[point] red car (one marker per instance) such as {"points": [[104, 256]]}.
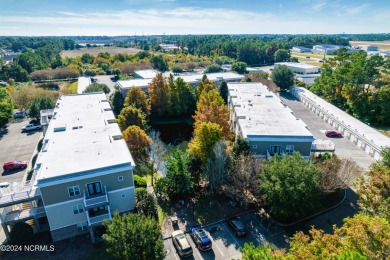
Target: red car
{"points": [[14, 165], [333, 133]]}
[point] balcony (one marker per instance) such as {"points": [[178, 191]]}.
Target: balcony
{"points": [[95, 200], [99, 219], [24, 214]]}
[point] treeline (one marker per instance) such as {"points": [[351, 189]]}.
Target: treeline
{"points": [[370, 37], [25, 43], [358, 84]]}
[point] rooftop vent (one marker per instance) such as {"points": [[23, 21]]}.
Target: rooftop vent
{"points": [[117, 137], [59, 128]]}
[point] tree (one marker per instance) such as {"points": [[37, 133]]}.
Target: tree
{"points": [[21, 233], [39, 104], [241, 147], [241, 176], [157, 154], [146, 204], [282, 55], [217, 165], [177, 183], [160, 96], [6, 106], [251, 252], [386, 156], [213, 68], [131, 116], [182, 98], [205, 85], [239, 67], [133, 236], [338, 174], [283, 77], [117, 101], [30, 61], [224, 91], [206, 135], [160, 63], [137, 141], [374, 191], [97, 88], [211, 108], [136, 97], [290, 186]]}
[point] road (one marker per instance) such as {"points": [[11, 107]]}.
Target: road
{"points": [[16, 146], [317, 126], [106, 79]]}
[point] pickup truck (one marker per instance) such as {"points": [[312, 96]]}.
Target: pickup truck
{"points": [[31, 127]]}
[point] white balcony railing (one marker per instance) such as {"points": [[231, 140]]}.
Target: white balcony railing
{"points": [[99, 219], [90, 201]]}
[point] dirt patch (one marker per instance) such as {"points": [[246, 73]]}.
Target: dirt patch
{"points": [[96, 50]]}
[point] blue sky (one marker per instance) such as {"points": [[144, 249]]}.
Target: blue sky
{"points": [[129, 17]]}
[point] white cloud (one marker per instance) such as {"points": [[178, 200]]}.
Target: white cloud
{"points": [[317, 6], [176, 21], [357, 9]]}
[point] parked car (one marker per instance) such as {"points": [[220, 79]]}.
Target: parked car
{"points": [[181, 243], [4, 184], [31, 127], [19, 114], [238, 227], [201, 239], [333, 133], [307, 57], [13, 165]]}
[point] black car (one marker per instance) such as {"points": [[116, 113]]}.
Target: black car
{"points": [[200, 238], [238, 227]]}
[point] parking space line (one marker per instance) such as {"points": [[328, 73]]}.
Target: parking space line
{"points": [[174, 249], [212, 239], [228, 231], [189, 238]]}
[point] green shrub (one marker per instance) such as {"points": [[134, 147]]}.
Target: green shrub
{"points": [[139, 181], [139, 190], [29, 174], [39, 146], [21, 233], [34, 159]]}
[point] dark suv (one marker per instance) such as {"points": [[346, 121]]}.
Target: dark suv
{"points": [[200, 238], [238, 227]]}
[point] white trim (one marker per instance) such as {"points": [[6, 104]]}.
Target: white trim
{"points": [[64, 202], [97, 173], [280, 139], [123, 189]]}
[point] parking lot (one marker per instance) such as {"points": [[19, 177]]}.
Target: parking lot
{"points": [[16, 146], [225, 245], [344, 147]]}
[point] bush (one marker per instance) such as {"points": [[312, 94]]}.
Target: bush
{"points": [[33, 161], [39, 146], [213, 68], [177, 69], [139, 181], [21, 233]]}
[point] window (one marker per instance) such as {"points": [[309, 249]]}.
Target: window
{"points": [[120, 178], [94, 188], [82, 225], [275, 149], [74, 191], [123, 196], [254, 146], [289, 149], [78, 209]]}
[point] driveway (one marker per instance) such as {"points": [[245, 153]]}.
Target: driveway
{"points": [[16, 146], [317, 126], [106, 79]]}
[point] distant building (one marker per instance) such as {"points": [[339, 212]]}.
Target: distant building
{"points": [[368, 48], [169, 47], [270, 127], [192, 79], [300, 49], [83, 83], [308, 79], [326, 48], [297, 67], [145, 74]]}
